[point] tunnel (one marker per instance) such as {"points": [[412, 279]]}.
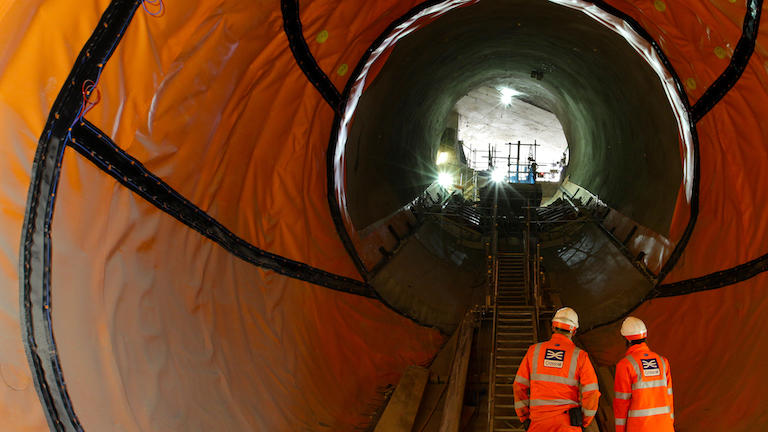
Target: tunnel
{"points": [[220, 215]]}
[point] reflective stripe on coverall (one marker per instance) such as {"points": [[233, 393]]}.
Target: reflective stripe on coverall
{"points": [[643, 399], [554, 377]]}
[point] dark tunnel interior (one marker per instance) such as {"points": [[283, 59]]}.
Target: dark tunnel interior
{"points": [[619, 123], [620, 128]]}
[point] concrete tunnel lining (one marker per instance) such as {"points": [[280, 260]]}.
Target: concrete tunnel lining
{"points": [[620, 127]]}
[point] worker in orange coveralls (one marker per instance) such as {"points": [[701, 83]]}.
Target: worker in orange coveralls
{"points": [[643, 401], [556, 387]]}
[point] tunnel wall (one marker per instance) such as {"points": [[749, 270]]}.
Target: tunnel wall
{"points": [[701, 50], [225, 79], [610, 101], [713, 340], [28, 87], [711, 305], [221, 332], [247, 348]]}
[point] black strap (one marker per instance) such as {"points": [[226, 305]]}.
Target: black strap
{"points": [[92, 143], [739, 61], [318, 78], [716, 280], [39, 341], [680, 246], [333, 202], [303, 56]]}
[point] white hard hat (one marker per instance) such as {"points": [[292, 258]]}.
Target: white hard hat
{"points": [[634, 328], [566, 319]]}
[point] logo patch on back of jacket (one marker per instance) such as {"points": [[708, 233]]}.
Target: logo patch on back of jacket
{"points": [[650, 368], [554, 358]]}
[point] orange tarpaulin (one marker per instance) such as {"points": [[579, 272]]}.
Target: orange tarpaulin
{"points": [[39, 41], [134, 317], [197, 331]]}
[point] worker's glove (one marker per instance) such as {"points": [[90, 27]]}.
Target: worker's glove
{"points": [[527, 424]]}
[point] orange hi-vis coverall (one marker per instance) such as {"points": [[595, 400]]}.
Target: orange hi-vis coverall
{"points": [[554, 377], [643, 401]]}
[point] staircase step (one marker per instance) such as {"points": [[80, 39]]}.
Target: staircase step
{"points": [[514, 337], [521, 345], [514, 334]]}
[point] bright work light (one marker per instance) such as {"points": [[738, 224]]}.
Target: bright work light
{"points": [[445, 179], [507, 94], [498, 175]]}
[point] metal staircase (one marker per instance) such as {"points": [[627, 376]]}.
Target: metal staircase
{"points": [[513, 332]]}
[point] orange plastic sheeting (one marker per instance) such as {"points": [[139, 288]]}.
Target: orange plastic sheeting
{"points": [[714, 343], [210, 98], [731, 227], [339, 33], [713, 340], [160, 329], [39, 41], [698, 36], [760, 55]]}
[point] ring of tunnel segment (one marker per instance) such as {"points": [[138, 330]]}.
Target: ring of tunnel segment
{"points": [[621, 128]]}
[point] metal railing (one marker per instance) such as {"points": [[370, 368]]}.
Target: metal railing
{"points": [[494, 257], [536, 288], [492, 374]]}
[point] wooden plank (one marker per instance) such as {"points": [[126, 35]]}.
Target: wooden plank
{"points": [[404, 403], [454, 398], [431, 409]]}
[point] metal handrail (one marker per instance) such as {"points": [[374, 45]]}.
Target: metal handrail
{"points": [[492, 373], [536, 292], [527, 251], [494, 255]]}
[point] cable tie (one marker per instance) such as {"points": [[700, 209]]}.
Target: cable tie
{"points": [[158, 4], [89, 86]]}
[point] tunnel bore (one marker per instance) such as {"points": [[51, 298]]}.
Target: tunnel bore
{"points": [[615, 113], [618, 120], [148, 311]]}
